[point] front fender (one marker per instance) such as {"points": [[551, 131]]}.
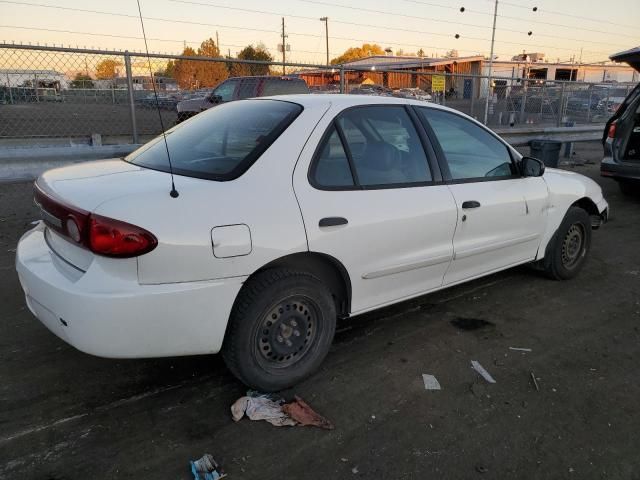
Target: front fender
{"points": [[565, 189]]}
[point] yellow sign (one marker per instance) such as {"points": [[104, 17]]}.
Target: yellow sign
{"points": [[437, 83]]}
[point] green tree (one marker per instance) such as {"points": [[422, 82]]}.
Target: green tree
{"points": [[82, 81], [107, 69], [421, 53], [354, 53], [259, 53]]}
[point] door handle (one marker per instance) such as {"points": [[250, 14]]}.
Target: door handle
{"points": [[332, 221], [470, 204]]}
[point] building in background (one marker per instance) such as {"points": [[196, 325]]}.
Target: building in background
{"points": [[42, 79]]}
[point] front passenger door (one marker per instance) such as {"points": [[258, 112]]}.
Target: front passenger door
{"points": [[500, 213]]}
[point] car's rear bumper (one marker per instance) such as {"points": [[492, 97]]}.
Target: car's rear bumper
{"points": [[619, 170], [106, 312]]}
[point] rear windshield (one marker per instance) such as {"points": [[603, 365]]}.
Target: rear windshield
{"points": [[220, 143]]}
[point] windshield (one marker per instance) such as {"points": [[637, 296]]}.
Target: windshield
{"points": [[220, 143]]}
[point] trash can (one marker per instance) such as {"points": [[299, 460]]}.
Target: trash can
{"points": [[546, 150]]}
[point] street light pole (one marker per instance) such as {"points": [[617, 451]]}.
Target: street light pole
{"points": [[493, 38], [326, 31]]}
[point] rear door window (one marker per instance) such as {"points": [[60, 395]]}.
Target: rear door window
{"points": [[331, 169], [248, 88], [220, 143], [283, 86], [384, 146], [371, 147]]}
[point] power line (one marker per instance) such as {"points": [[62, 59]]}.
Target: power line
{"points": [[579, 17], [40, 5], [415, 17], [528, 20], [265, 12], [127, 37]]}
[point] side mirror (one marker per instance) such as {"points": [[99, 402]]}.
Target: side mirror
{"points": [[214, 98], [531, 167]]}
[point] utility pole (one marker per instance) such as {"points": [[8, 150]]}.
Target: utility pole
{"points": [[217, 41], [284, 46], [326, 32], [493, 38]]}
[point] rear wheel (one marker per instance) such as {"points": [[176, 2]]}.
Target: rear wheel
{"points": [[280, 330], [570, 245]]}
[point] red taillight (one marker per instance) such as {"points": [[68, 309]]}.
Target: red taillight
{"points": [[102, 235], [612, 130], [118, 239]]}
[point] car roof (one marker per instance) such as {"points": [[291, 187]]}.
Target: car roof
{"points": [[342, 100]]}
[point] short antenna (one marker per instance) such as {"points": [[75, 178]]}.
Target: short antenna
{"points": [[174, 193]]}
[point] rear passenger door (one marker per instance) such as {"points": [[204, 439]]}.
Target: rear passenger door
{"points": [[371, 198], [500, 213]]}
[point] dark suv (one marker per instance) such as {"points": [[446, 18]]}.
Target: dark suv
{"points": [[621, 138], [237, 88]]}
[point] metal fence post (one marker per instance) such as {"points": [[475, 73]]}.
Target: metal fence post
{"points": [[473, 95], [561, 106], [342, 80], [132, 101], [523, 100]]}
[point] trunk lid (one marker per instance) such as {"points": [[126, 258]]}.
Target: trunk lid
{"points": [[81, 189], [89, 184]]}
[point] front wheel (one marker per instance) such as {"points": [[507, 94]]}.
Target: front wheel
{"points": [[280, 330], [570, 245]]}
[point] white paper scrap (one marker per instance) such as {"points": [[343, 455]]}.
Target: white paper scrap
{"points": [[430, 382], [519, 349], [480, 369]]}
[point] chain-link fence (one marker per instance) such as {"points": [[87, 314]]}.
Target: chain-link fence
{"points": [[61, 95]]}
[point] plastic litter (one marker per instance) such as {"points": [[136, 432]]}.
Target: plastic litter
{"points": [[480, 369], [302, 413], [430, 382], [278, 413], [520, 349], [206, 468]]}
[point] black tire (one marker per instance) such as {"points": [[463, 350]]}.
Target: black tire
{"points": [[568, 249], [280, 329]]}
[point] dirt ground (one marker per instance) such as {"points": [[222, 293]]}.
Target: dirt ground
{"points": [[68, 415]]}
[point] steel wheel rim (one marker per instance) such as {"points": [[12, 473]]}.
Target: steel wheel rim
{"points": [[287, 332], [573, 245]]}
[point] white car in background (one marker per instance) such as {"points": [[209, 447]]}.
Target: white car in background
{"points": [[292, 212]]}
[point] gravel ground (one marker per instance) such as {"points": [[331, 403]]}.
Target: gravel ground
{"points": [[68, 415]]}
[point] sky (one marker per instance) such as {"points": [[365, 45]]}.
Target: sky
{"points": [[588, 30]]}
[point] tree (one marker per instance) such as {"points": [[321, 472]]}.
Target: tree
{"points": [[184, 71], [169, 70], [421, 53], [250, 53], [82, 81], [451, 54], [210, 74], [107, 69], [354, 53]]}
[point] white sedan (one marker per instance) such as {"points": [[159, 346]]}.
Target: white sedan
{"points": [[292, 212]]}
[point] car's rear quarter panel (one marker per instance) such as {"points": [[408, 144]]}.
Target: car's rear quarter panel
{"points": [[262, 198]]}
